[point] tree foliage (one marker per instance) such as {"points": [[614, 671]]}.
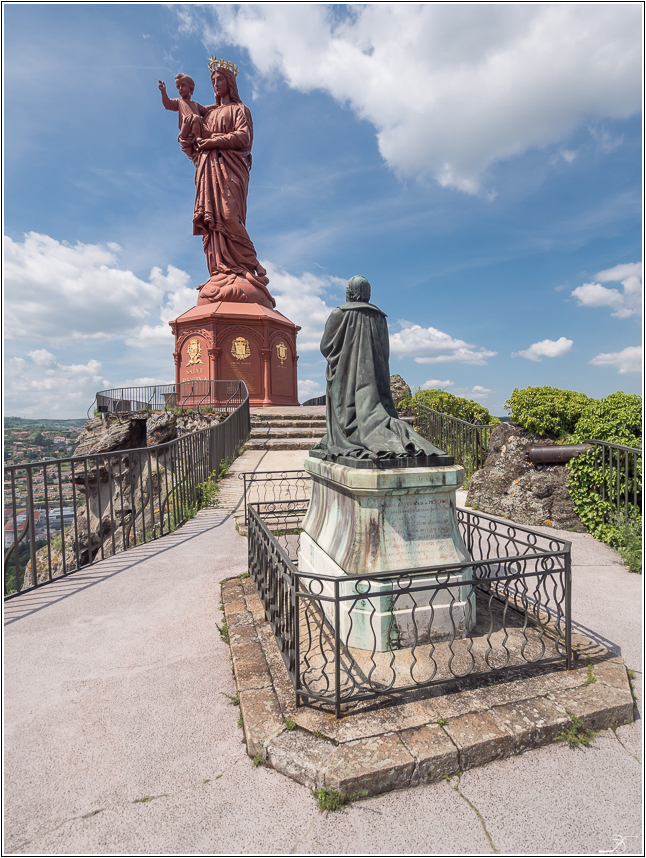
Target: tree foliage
{"points": [[447, 403], [547, 410]]}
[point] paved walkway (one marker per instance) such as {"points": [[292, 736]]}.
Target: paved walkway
{"points": [[119, 736]]}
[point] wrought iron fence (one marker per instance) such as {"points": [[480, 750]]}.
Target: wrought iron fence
{"points": [[350, 639], [198, 394], [66, 514], [467, 442], [267, 487], [618, 478]]}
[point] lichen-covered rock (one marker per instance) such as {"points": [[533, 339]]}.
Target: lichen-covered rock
{"points": [[398, 388], [187, 423], [510, 486], [104, 436], [161, 428]]}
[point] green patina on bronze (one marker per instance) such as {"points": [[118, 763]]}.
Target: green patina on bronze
{"points": [[362, 423]]}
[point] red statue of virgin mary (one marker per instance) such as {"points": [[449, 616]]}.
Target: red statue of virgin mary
{"points": [[222, 157], [238, 331]]}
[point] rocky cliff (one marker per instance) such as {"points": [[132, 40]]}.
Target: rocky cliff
{"points": [[512, 487], [119, 497]]}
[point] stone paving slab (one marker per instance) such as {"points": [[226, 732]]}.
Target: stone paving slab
{"points": [[118, 686], [422, 738]]}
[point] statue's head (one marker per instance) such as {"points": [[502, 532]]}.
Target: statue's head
{"points": [[227, 76], [184, 80], [358, 289]]}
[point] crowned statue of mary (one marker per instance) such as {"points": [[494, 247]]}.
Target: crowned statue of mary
{"points": [[222, 158]]}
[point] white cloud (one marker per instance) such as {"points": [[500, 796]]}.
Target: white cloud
{"points": [[428, 345], [42, 387], [626, 361], [476, 392], [303, 300], [546, 348], [178, 298], [625, 304], [449, 88], [437, 384], [308, 389], [479, 392], [56, 292]]}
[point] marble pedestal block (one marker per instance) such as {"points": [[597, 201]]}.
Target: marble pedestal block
{"points": [[368, 521]]}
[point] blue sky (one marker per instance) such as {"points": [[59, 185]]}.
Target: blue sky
{"points": [[480, 164]]}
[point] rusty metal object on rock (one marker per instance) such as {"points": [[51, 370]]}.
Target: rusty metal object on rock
{"points": [[556, 453]]}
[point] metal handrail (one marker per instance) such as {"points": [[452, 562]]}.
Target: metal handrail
{"points": [[223, 394], [94, 506], [467, 442], [616, 475]]}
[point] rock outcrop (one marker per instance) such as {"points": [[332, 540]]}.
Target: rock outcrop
{"points": [[119, 497], [512, 487], [398, 388]]}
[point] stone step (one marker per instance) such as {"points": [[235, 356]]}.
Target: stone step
{"points": [[272, 443], [287, 424], [272, 432], [276, 413]]}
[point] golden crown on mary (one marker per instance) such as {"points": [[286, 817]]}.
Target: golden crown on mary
{"points": [[215, 63]]}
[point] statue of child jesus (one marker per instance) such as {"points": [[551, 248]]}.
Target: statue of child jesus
{"points": [[190, 112]]}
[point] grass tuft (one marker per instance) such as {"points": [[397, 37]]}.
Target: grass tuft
{"points": [[331, 799], [234, 698], [576, 733], [591, 677], [224, 632], [290, 724]]}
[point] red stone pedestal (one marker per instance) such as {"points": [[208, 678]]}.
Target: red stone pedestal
{"points": [[244, 341]]}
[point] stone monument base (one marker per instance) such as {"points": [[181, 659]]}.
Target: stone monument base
{"points": [[362, 521], [249, 342]]}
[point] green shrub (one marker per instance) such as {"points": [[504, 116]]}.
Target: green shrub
{"points": [[616, 419], [447, 403], [629, 540], [547, 410]]}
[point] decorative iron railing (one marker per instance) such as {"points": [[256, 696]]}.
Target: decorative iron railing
{"points": [[199, 394], [351, 639], [66, 514], [617, 479], [467, 442], [268, 487]]}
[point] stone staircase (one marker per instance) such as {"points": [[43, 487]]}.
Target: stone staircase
{"points": [[297, 429]]}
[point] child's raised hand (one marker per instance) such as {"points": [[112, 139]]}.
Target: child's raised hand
{"points": [[162, 86]]}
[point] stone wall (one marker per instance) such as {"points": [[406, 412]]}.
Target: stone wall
{"points": [[512, 487]]}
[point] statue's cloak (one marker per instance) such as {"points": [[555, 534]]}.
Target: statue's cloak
{"points": [[360, 413]]}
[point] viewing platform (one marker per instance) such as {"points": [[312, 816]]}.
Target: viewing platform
{"points": [[121, 736]]}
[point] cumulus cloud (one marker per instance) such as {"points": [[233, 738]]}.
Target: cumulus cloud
{"points": [[624, 303], [479, 392], [437, 384], [42, 386], [476, 392], [55, 291], [304, 301], [626, 361], [428, 345], [309, 389], [177, 298], [546, 348], [449, 88]]}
